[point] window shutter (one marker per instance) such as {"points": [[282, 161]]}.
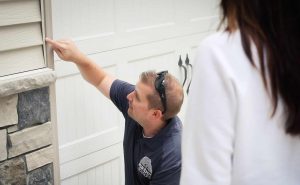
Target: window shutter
{"points": [[21, 36]]}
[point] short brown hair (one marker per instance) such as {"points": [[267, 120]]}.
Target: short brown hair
{"points": [[173, 89]]}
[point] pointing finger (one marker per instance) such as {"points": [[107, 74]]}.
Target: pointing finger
{"points": [[54, 44]]}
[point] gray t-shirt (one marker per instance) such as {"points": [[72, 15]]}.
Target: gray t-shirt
{"points": [[148, 161]]}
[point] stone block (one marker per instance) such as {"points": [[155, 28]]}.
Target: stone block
{"points": [[12, 129], [13, 172], [29, 139], [8, 110], [33, 107], [3, 143], [39, 158], [21, 83], [41, 176]]}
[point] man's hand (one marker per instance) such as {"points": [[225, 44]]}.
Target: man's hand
{"points": [[67, 50], [91, 72]]}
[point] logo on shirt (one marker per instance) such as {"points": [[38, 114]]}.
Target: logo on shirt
{"points": [[145, 167]]}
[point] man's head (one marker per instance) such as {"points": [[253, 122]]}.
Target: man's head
{"points": [[146, 103]]}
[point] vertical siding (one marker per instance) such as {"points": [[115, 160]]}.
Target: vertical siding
{"points": [[104, 174]]}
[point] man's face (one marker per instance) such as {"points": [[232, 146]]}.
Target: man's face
{"points": [[138, 103]]}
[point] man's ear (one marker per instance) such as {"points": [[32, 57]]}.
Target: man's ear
{"points": [[157, 114]]}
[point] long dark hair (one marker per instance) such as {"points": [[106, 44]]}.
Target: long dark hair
{"points": [[274, 27]]}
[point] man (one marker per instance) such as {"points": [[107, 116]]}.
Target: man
{"points": [[152, 138]]}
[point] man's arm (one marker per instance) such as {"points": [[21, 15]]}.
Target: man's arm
{"points": [[91, 72]]}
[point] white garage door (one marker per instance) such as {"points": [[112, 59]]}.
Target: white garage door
{"points": [[125, 37]]}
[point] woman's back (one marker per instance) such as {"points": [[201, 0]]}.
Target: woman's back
{"points": [[242, 125], [234, 139]]}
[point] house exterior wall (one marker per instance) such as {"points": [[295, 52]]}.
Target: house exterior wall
{"points": [[28, 134]]}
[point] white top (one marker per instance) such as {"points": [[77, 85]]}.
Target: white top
{"points": [[229, 137]]}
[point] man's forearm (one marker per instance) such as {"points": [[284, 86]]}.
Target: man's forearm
{"points": [[90, 71], [94, 74]]}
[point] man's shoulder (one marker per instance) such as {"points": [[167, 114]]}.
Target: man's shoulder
{"points": [[120, 89], [117, 85], [118, 94], [171, 142], [174, 125]]}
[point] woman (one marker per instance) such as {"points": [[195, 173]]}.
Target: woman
{"points": [[243, 119]]}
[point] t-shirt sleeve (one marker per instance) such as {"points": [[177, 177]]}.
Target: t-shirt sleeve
{"points": [[118, 94], [208, 131]]}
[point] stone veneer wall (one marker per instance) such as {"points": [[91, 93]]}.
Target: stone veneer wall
{"points": [[26, 148]]}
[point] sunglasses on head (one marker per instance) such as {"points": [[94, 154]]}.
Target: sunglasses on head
{"points": [[160, 88]]}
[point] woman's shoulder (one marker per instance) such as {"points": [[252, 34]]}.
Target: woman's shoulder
{"points": [[221, 39], [222, 51], [222, 46]]}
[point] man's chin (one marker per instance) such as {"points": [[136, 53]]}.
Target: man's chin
{"points": [[129, 112]]}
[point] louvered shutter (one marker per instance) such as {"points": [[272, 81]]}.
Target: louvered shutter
{"points": [[21, 36]]}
